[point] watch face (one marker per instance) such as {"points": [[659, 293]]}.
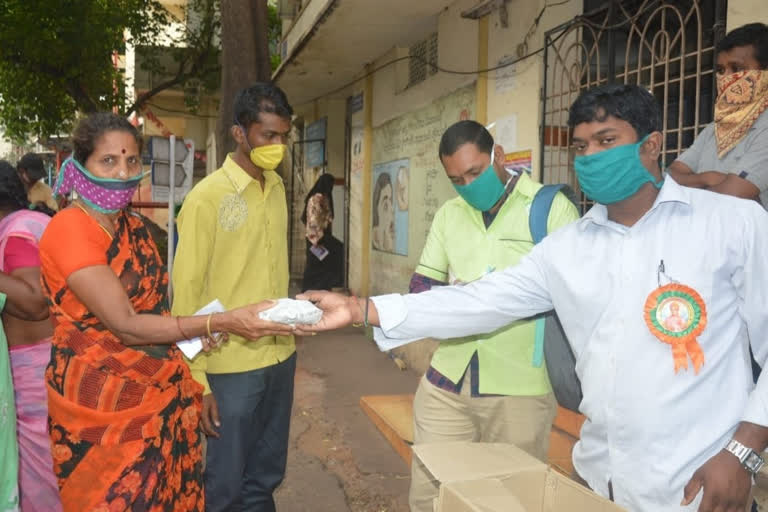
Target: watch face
{"points": [[754, 462]]}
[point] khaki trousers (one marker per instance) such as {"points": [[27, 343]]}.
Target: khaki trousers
{"points": [[441, 416]]}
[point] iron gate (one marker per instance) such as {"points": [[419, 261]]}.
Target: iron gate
{"points": [[666, 46]]}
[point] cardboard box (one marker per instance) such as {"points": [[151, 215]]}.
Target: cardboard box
{"points": [[496, 477]]}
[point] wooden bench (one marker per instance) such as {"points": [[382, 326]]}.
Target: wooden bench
{"points": [[393, 416]]}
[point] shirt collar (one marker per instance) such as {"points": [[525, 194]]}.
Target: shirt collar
{"points": [[671, 192], [241, 179], [525, 186]]}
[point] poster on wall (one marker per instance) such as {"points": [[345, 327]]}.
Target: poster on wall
{"points": [[519, 161], [315, 152], [356, 151], [390, 206]]}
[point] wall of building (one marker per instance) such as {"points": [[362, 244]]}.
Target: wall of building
{"points": [[413, 139], [514, 92], [457, 50], [741, 12]]}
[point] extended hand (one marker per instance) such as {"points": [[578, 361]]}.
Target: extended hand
{"points": [[338, 311], [726, 485], [245, 322]]}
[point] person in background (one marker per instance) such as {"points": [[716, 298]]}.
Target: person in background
{"points": [[324, 269], [123, 408], [32, 173], [730, 155], [673, 422], [28, 331], [233, 247], [492, 389]]}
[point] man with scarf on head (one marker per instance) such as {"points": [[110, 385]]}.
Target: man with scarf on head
{"points": [[730, 155], [673, 419], [232, 247]]}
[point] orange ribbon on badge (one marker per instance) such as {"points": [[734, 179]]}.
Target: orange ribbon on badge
{"points": [[676, 314]]}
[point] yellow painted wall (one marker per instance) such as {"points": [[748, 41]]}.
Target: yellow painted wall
{"points": [[515, 91], [457, 50], [741, 12]]}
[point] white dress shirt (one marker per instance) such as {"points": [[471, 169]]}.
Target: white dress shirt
{"points": [[647, 429]]}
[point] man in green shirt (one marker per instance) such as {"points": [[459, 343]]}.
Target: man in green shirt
{"points": [[491, 388]]}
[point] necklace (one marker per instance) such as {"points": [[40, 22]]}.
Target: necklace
{"points": [[95, 219]]}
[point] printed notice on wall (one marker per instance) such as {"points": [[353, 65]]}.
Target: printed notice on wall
{"points": [[506, 131]]}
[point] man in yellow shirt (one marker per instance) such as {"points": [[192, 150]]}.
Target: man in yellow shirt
{"points": [[492, 388], [32, 174], [233, 247]]}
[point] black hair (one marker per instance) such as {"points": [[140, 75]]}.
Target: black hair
{"points": [[462, 133], [258, 98], [754, 35], [382, 181], [13, 197], [630, 103], [89, 130], [32, 164]]}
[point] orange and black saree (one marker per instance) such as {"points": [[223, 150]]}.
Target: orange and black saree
{"points": [[123, 421]]}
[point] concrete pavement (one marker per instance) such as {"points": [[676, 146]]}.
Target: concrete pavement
{"points": [[337, 460]]}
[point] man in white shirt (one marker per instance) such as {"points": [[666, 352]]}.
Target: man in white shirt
{"points": [[662, 406]]}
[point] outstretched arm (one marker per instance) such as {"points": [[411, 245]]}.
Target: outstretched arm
{"points": [[446, 312]]}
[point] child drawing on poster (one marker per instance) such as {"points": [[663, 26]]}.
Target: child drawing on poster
{"points": [[390, 207], [383, 214]]}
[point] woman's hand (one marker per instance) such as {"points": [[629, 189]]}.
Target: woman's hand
{"points": [[245, 322], [218, 340]]}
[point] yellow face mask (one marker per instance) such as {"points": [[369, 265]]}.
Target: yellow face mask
{"points": [[268, 157]]}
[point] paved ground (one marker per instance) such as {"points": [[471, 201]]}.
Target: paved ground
{"points": [[337, 460]]}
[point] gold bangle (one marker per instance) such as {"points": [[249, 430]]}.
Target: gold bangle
{"points": [[361, 310], [208, 327]]}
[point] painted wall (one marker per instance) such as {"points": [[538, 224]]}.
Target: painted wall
{"points": [[415, 136], [741, 12], [356, 201], [457, 50], [514, 93]]}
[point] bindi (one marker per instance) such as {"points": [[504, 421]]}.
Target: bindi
{"points": [[123, 150]]}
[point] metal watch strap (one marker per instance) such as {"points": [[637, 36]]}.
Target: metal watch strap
{"points": [[750, 459]]}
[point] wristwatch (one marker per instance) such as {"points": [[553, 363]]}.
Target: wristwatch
{"points": [[749, 458]]}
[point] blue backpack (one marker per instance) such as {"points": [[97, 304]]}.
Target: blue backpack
{"points": [[551, 344]]}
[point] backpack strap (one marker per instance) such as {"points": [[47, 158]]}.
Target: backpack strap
{"points": [[538, 218], [539, 214]]}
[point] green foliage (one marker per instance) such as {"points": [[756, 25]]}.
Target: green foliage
{"points": [[58, 58]]}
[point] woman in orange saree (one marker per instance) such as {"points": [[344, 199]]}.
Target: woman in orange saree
{"points": [[123, 408]]}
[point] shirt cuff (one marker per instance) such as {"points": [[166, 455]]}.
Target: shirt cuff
{"points": [[757, 407], [201, 377], [432, 273], [392, 312]]}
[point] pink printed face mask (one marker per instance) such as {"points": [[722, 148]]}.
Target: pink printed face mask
{"points": [[106, 195]]}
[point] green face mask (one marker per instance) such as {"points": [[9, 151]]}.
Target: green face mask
{"points": [[484, 192], [613, 175]]}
